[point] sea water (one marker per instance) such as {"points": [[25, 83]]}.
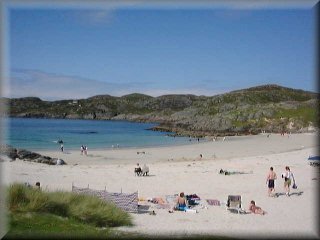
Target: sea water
{"points": [[44, 134]]}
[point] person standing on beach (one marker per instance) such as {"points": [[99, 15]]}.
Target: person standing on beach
{"points": [[61, 147], [271, 177], [288, 175], [82, 149]]}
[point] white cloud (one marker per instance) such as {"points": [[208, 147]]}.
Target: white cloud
{"points": [[94, 17], [198, 92], [49, 86]]}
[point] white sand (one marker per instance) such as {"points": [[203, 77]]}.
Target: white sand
{"points": [[179, 168]]}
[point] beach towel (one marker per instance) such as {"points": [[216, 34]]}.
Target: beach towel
{"points": [[163, 206], [172, 199], [213, 202]]}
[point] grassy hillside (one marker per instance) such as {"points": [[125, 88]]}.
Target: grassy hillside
{"points": [[270, 107]]}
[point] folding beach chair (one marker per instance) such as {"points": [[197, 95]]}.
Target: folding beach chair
{"points": [[234, 204]]}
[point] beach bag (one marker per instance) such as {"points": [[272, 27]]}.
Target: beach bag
{"points": [[193, 199], [294, 186]]}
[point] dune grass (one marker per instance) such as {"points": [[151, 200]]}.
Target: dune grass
{"points": [[34, 225], [36, 211]]}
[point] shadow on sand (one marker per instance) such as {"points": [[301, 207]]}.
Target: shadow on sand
{"points": [[291, 194]]}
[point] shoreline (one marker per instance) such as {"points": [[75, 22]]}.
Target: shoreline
{"points": [[211, 150], [176, 169]]}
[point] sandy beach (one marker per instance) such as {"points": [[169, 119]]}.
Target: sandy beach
{"points": [[179, 168]]}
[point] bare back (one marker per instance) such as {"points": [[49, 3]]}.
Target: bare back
{"points": [[272, 175]]}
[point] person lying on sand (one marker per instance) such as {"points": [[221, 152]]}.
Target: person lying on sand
{"points": [[225, 172], [255, 209], [157, 200]]}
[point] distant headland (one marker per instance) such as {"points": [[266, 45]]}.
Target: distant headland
{"points": [[269, 108]]}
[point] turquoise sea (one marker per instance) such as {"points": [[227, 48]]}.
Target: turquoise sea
{"points": [[43, 134]]}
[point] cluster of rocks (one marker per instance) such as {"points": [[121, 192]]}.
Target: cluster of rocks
{"points": [[22, 154]]}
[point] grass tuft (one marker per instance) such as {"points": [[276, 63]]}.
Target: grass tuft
{"points": [[86, 209]]}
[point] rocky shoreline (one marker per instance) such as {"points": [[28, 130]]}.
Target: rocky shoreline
{"points": [[176, 131], [25, 155]]}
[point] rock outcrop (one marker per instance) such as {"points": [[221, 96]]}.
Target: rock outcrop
{"points": [[25, 155]]}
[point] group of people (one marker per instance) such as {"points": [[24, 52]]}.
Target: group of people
{"points": [[182, 205], [288, 179], [84, 150], [181, 202], [271, 177], [138, 171]]}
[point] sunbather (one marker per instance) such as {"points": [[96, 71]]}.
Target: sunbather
{"points": [[181, 202], [255, 209], [225, 172]]}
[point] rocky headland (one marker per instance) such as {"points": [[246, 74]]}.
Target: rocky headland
{"points": [[269, 108]]}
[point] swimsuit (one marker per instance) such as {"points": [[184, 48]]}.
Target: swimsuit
{"points": [[271, 183], [182, 207]]}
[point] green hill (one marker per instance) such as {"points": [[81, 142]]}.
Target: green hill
{"points": [[271, 108]]}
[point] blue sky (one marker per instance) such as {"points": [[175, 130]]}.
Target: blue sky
{"points": [[77, 53]]}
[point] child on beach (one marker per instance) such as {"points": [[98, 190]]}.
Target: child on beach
{"points": [[255, 209]]}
